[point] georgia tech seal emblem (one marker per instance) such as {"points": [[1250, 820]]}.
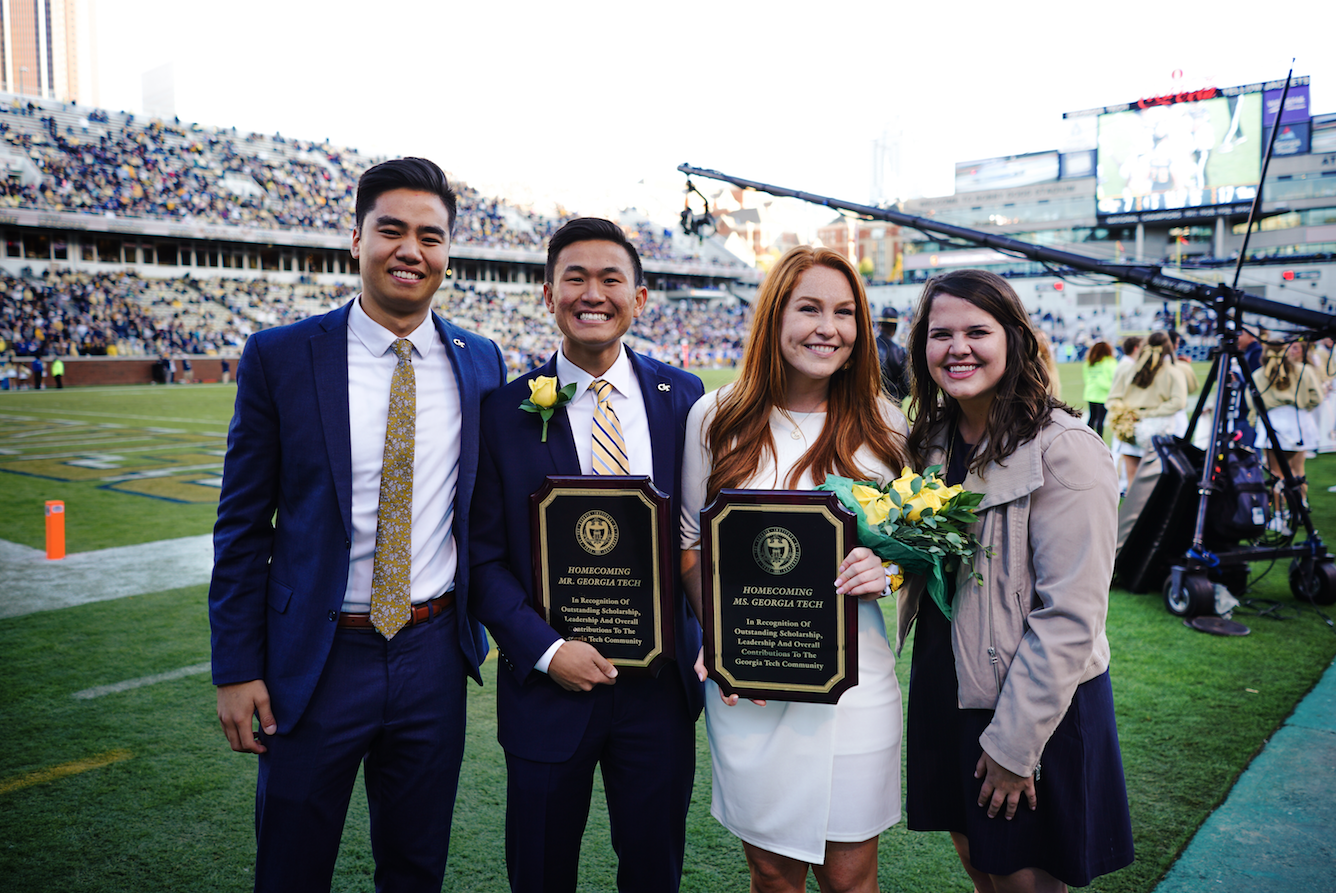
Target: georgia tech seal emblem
{"points": [[596, 532], [776, 550]]}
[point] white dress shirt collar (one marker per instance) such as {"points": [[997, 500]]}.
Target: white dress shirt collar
{"points": [[378, 339], [620, 374]]}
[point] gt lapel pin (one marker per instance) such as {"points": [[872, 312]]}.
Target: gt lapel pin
{"points": [[459, 342], [665, 386]]}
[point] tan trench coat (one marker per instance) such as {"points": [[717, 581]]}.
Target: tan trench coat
{"points": [[1034, 630]]}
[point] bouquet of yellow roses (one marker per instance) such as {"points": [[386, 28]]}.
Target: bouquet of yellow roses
{"points": [[916, 521]]}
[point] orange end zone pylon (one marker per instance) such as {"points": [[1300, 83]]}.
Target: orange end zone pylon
{"points": [[55, 529]]}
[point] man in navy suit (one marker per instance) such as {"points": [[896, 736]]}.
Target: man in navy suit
{"points": [[296, 644], [562, 708]]}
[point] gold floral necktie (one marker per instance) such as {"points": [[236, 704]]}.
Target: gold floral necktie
{"points": [[609, 453], [391, 570]]}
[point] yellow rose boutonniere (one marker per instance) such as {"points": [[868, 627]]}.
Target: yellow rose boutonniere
{"points": [[545, 398], [543, 391]]}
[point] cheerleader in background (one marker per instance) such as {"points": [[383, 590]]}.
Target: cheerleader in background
{"points": [[1321, 356], [1155, 391], [1291, 388]]}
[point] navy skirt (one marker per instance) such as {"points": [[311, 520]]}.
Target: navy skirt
{"points": [[1081, 828]]}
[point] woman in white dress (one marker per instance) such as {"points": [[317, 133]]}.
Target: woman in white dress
{"points": [[804, 785]]}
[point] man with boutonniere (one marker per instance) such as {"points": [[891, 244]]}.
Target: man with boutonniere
{"points": [[595, 407]]}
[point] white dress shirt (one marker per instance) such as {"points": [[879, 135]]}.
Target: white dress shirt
{"points": [[371, 365], [628, 403]]}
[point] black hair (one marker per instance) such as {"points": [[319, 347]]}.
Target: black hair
{"points": [[404, 173], [590, 229]]}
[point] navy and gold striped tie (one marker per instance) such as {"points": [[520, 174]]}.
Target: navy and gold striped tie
{"points": [[609, 453]]}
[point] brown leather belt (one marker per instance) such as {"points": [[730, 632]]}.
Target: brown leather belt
{"points": [[420, 613]]}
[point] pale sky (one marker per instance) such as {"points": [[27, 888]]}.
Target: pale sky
{"points": [[594, 104]]}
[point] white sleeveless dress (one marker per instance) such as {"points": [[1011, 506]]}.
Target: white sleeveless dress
{"points": [[790, 776]]}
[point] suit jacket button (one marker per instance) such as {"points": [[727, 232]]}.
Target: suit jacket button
{"points": [[333, 615], [347, 544]]}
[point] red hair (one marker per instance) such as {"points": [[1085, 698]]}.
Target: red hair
{"points": [[738, 436]]}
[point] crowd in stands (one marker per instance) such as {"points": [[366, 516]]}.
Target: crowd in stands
{"points": [[77, 313], [673, 332], [106, 314], [153, 169], [91, 161], [68, 313]]}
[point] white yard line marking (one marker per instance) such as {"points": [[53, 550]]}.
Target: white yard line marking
{"points": [[29, 582], [160, 473], [117, 415], [156, 448], [100, 440], [100, 690]]}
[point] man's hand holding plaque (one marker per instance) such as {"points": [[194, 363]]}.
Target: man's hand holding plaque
{"points": [[601, 574]]}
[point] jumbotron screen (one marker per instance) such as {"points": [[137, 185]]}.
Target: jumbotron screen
{"points": [[1179, 156]]}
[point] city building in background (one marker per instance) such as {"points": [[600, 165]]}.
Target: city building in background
{"points": [[38, 41], [874, 246]]}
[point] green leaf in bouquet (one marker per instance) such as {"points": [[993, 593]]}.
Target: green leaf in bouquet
{"points": [[968, 499], [932, 470]]}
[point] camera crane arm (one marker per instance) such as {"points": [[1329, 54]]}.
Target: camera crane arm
{"points": [[1219, 297], [1190, 588]]}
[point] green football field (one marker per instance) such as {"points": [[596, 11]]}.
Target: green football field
{"points": [[134, 788]]}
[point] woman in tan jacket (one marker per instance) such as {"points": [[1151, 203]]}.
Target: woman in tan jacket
{"points": [[1012, 743], [1291, 388], [1154, 391]]}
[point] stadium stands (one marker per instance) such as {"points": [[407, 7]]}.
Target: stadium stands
{"points": [[93, 161], [58, 157], [121, 314]]}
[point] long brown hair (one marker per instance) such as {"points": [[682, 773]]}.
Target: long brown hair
{"points": [[1156, 352], [1022, 404], [1098, 351], [738, 437]]}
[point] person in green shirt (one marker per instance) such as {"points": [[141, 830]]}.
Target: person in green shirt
{"points": [[1098, 375], [58, 372]]}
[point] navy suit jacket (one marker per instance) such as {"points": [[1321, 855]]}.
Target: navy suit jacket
{"points": [[536, 718], [277, 587]]}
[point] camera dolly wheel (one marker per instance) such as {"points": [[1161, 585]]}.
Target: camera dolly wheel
{"points": [[1188, 594], [1317, 588]]}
